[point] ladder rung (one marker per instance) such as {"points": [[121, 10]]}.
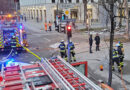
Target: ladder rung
{"points": [[82, 84], [58, 62], [73, 79], [56, 66], [12, 69], [14, 87], [77, 85], [65, 69], [12, 73], [60, 70], [64, 75], [33, 72], [61, 65], [12, 78]]}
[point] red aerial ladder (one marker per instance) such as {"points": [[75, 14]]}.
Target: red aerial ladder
{"points": [[45, 75]]}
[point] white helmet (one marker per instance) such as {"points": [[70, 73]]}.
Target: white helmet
{"points": [[70, 41], [13, 36], [62, 40]]}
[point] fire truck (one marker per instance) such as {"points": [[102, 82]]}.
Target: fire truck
{"points": [[9, 27]]}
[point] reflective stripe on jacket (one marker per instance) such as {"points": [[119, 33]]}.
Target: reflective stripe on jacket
{"points": [[115, 54], [62, 47]]}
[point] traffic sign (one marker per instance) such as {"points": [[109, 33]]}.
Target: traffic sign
{"points": [[66, 12]]}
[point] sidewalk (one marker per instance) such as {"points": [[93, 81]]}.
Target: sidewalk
{"points": [[102, 58]]}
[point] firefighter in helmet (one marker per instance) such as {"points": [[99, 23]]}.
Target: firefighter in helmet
{"points": [[115, 58], [13, 46], [62, 48], [72, 52]]}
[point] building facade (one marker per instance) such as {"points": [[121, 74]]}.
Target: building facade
{"points": [[45, 10], [8, 6]]}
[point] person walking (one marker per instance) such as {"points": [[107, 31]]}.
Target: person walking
{"points": [[72, 52], [90, 43], [97, 42], [115, 58], [49, 24], [45, 26], [62, 48]]}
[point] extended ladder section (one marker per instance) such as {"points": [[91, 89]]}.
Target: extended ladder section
{"points": [[13, 78], [31, 77], [70, 76], [45, 75]]}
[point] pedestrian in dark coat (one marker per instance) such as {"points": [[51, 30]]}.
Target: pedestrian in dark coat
{"points": [[97, 42], [90, 43]]}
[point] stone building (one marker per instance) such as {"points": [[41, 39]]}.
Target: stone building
{"points": [[46, 9]]}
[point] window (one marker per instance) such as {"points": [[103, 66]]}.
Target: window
{"points": [[53, 1], [61, 1], [77, 1], [69, 1]]}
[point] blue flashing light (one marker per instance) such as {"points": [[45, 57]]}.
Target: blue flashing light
{"points": [[20, 26], [11, 60]]}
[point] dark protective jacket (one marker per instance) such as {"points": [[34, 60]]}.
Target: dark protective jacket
{"points": [[97, 39], [62, 47]]}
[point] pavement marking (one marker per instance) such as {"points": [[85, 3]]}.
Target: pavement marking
{"points": [[47, 39], [55, 45]]}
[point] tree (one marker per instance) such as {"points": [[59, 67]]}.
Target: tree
{"points": [[109, 6]]}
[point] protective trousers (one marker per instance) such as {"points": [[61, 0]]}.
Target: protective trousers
{"points": [[116, 59], [63, 55], [121, 57], [73, 55]]}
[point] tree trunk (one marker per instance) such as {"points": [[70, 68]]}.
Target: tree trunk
{"points": [[85, 10], [111, 42], [127, 20]]}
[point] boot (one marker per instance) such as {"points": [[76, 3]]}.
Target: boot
{"points": [[74, 58], [113, 69], [119, 69]]}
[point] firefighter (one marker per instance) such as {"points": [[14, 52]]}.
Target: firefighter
{"points": [[62, 48], [49, 24], [121, 53], [115, 58], [72, 52], [13, 46]]}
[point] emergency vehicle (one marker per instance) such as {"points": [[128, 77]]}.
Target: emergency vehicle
{"points": [[9, 27]]}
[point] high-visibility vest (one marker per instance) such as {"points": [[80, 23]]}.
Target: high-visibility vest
{"points": [[49, 24], [45, 26]]}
